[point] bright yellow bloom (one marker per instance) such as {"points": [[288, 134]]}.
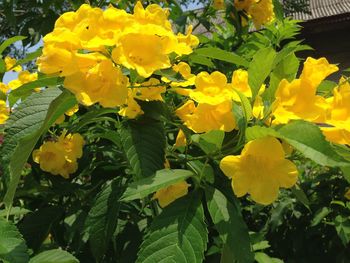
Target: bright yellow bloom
{"points": [[4, 88], [185, 71], [187, 42], [258, 107], [23, 78], [4, 112], [104, 83], [260, 170], [10, 63], [316, 70], [72, 144], [219, 4], [206, 117], [180, 139], [339, 114], [261, 12], [131, 109], [51, 157], [149, 91], [143, 50], [211, 88], [347, 194], [169, 194], [298, 99], [153, 14], [60, 158]]}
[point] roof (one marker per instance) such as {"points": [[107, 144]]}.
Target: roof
{"points": [[324, 8]]}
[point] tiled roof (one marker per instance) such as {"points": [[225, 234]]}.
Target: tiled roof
{"points": [[324, 8]]}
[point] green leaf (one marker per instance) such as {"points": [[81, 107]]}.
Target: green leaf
{"points": [[260, 68], [301, 196], [12, 246], [261, 257], [151, 184], [54, 256], [309, 140], [286, 69], [320, 215], [36, 226], [247, 108], [209, 142], [102, 218], [178, 234], [342, 225], [278, 10], [229, 222], [223, 55], [27, 88], [256, 132], [23, 129], [201, 60], [9, 42], [346, 173], [144, 145]]}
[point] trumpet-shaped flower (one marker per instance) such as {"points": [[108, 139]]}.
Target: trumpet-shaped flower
{"points": [[60, 158], [211, 89], [149, 91], [23, 78], [298, 99], [10, 64], [260, 170], [262, 12], [169, 194], [205, 117], [339, 114], [131, 108], [103, 83]]}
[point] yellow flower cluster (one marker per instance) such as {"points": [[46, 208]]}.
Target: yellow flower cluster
{"points": [[210, 104], [69, 113], [60, 157], [299, 100], [90, 47], [261, 11]]}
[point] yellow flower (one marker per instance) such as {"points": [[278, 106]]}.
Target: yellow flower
{"points": [[60, 158], [219, 4], [50, 156], [261, 12], [185, 71], [347, 194], [4, 88], [103, 83], [180, 139], [316, 70], [149, 90], [153, 14], [23, 78], [186, 43], [211, 88], [10, 63], [206, 117], [260, 170], [131, 109], [4, 112], [339, 114], [258, 108], [298, 99], [143, 50], [169, 194], [72, 144]]}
